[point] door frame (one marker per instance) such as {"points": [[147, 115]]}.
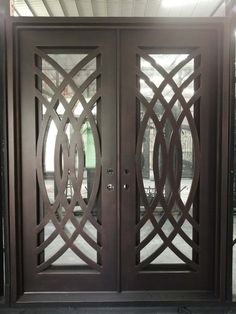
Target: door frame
{"points": [[3, 154], [230, 96], [221, 26]]}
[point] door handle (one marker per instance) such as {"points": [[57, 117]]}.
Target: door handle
{"points": [[110, 187], [125, 186]]}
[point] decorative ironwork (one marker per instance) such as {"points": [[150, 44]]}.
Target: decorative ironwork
{"points": [[69, 224], [164, 210]]}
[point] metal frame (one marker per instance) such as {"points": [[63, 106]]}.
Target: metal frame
{"points": [[3, 145], [231, 157], [4, 252], [227, 163], [173, 297]]}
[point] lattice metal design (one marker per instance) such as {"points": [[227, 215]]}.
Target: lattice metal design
{"points": [[157, 98], [69, 224]]}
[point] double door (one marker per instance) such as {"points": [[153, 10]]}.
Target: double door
{"points": [[117, 148]]}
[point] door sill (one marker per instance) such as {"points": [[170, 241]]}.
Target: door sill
{"points": [[131, 297]]}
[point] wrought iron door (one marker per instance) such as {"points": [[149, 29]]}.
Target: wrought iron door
{"points": [[68, 159], [169, 123], [72, 231]]}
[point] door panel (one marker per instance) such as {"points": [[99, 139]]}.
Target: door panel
{"points": [[68, 132], [169, 115]]}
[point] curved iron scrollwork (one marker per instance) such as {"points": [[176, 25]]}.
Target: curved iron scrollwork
{"points": [[76, 113], [167, 158]]}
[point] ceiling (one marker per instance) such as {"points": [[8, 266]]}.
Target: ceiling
{"points": [[128, 8]]}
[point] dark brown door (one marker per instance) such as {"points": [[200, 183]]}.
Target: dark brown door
{"points": [[168, 163], [68, 159]]}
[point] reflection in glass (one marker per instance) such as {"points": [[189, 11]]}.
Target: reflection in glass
{"points": [[48, 162], [160, 140], [147, 160], [65, 159], [90, 160]]}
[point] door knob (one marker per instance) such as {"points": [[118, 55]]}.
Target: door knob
{"points": [[110, 187], [125, 186]]}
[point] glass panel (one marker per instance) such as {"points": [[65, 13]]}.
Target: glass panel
{"points": [[69, 258], [53, 247], [167, 159], [90, 160], [167, 257], [169, 61], [70, 165], [146, 91], [188, 163], [167, 93], [48, 161], [188, 92], [157, 78], [146, 230], [67, 62], [147, 161], [149, 249], [49, 229], [89, 68], [90, 91]]}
